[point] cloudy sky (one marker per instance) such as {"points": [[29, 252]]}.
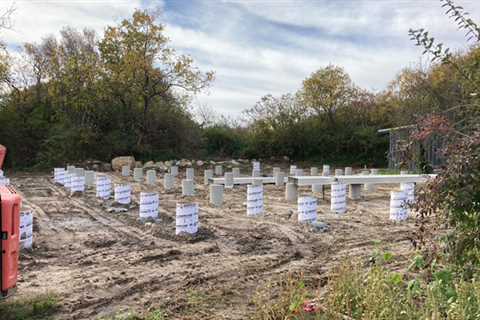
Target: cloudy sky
{"points": [[258, 47]]}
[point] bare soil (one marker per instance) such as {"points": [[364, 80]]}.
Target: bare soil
{"points": [[101, 263]]}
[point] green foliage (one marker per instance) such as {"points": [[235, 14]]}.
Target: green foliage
{"points": [[281, 300], [223, 141], [41, 307]]}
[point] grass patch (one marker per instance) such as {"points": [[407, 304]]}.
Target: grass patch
{"points": [[40, 307], [154, 315]]}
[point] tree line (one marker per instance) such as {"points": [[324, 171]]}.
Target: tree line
{"points": [[83, 96]]}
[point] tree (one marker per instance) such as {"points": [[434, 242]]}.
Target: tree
{"points": [[327, 90], [140, 67]]}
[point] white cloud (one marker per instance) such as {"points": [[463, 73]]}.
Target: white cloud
{"points": [[262, 47], [34, 20]]}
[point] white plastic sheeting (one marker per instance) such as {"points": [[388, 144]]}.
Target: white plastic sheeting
{"points": [[254, 200], [149, 203], [307, 210], [398, 209], [59, 175], [123, 193], [26, 229], [186, 218], [103, 187], [338, 198], [77, 184]]}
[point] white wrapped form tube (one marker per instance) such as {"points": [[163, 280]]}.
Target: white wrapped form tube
{"points": [[398, 209], [26, 229], [77, 184], [59, 175], [186, 218], [254, 200], [307, 210], [103, 187], [338, 198], [123, 194], [149, 203]]}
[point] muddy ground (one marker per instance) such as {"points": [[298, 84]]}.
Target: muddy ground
{"points": [[101, 263]]}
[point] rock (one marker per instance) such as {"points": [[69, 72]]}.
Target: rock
{"points": [[319, 227], [106, 167], [200, 163], [185, 163], [160, 166], [148, 164], [118, 162], [235, 163], [169, 163], [286, 158]]}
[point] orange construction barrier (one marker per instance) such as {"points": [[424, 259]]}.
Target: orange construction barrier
{"points": [[10, 203]]}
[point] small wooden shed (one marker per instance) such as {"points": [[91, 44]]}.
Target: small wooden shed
{"points": [[402, 153]]}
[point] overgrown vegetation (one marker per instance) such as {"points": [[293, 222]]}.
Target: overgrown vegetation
{"points": [[40, 307]]}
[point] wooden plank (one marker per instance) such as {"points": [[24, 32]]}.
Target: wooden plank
{"points": [[360, 179]]}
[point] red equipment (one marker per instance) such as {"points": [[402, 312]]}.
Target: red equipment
{"points": [[10, 203]]}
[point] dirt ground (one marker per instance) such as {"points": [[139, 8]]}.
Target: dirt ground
{"points": [[101, 263]]}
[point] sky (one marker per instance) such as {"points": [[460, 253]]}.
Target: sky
{"points": [[259, 47]]}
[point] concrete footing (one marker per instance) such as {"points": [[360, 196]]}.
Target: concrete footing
{"points": [[188, 187], [279, 179], [314, 171], [348, 171], [138, 174], [228, 180], [291, 192], [168, 182], [326, 170], [299, 172], [90, 178], [257, 182], [125, 171], [190, 174], [174, 171], [207, 174], [218, 170], [151, 177], [236, 172], [355, 191], [275, 170], [317, 188], [216, 195], [338, 172]]}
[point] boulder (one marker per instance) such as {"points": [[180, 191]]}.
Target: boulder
{"points": [[119, 162], [185, 163], [148, 165], [200, 163]]}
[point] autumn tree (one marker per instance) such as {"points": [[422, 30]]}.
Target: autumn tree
{"points": [[140, 67], [327, 90]]}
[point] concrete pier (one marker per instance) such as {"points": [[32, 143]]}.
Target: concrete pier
{"points": [[188, 187], [291, 192], [207, 174], [216, 195]]}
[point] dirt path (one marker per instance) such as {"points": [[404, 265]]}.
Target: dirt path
{"points": [[101, 263]]}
